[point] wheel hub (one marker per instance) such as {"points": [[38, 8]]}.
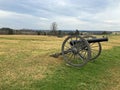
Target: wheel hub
{"points": [[74, 50]]}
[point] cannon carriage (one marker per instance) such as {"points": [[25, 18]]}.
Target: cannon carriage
{"points": [[78, 50]]}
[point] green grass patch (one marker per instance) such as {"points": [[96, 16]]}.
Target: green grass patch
{"points": [[93, 76]]}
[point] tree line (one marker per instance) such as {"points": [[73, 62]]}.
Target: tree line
{"points": [[9, 31]]}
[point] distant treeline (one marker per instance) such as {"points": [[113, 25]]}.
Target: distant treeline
{"points": [[60, 33]]}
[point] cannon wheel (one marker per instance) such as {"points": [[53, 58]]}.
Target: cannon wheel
{"points": [[76, 54], [95, 48]]}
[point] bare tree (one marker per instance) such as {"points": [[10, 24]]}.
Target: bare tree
{"points": [[54, 28]]}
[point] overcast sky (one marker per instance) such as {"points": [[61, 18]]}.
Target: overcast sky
{"points": [[68, 14]]}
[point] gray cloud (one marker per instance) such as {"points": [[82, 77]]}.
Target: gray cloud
{"points": [[70, 14]]}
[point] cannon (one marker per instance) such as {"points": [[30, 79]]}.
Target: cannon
{"points": [[78, 50]]}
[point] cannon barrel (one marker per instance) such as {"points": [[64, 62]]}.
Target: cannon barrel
{"points": [[94, 40], [97, 40]]}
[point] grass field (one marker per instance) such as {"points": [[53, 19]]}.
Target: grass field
{"points": [[25, 64]]}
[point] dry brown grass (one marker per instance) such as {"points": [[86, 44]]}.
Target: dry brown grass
{"points": [[26, 58], [113, 41]]}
